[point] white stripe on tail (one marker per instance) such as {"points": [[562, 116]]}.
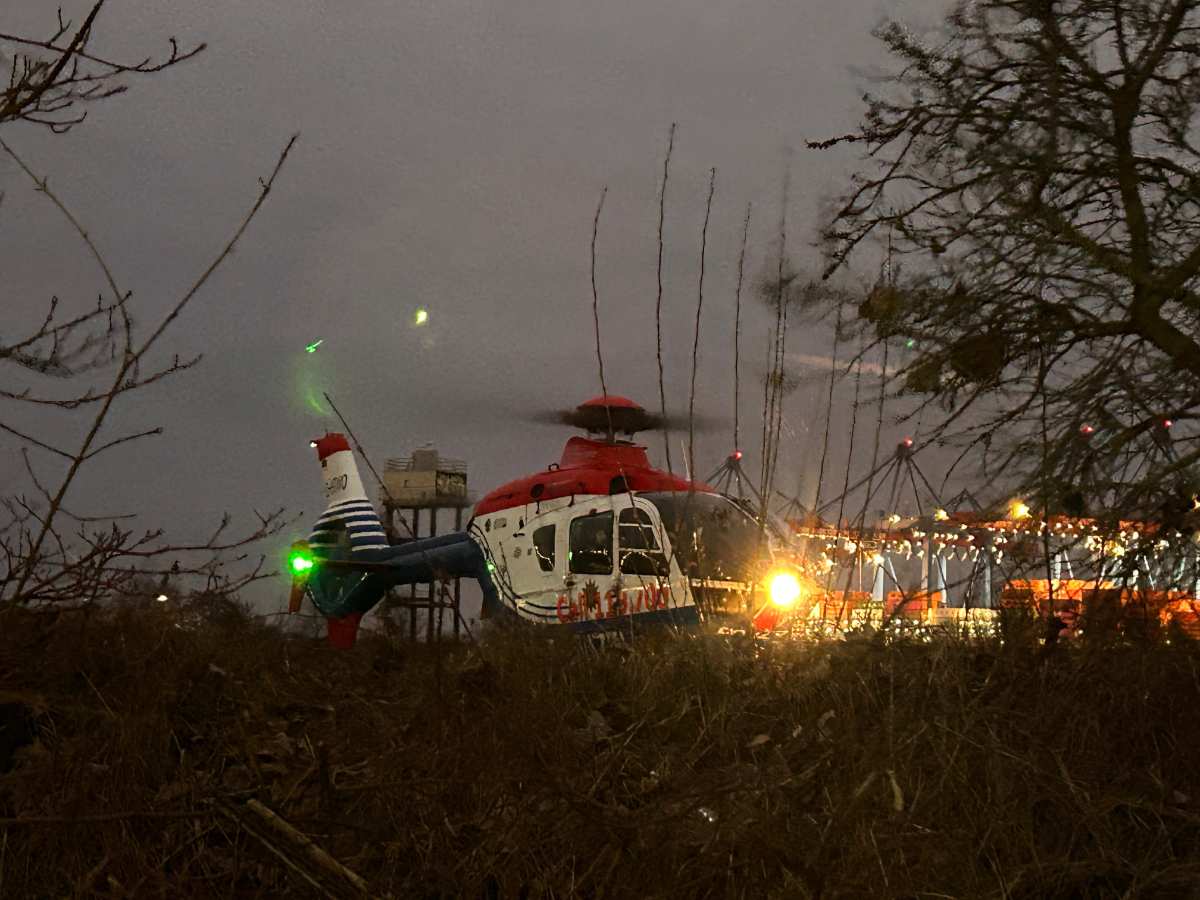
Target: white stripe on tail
{"points": [[349, 520]]}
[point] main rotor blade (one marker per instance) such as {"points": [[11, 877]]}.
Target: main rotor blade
{"points": [[623, 420]]}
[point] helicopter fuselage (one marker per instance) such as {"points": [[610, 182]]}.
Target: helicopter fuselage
{"points": [[592, 543]]}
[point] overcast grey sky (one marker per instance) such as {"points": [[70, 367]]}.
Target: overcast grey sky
{"points": [[451, 155]]}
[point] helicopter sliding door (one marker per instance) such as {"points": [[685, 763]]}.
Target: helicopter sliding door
{"points": [[536, 568], [639, 550], [592, 564], [642, 562], [589, 564], [617, 564]]}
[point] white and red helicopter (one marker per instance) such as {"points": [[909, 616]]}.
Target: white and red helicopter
{"points": [[599, 541]]}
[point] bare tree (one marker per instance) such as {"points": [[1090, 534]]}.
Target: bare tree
{"points": [[81, 364], [51, 79], [1035, 169], [791, 295]]}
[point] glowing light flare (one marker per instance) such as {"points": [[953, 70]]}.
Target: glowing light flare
{"points": [[1087, 430], [420, 317], [312, 348], [1018, 509], [162, 598], [300, 560], [310, 376], [784, 589], [941, 515], [908, 442], [1167, 423], [314, 402]]}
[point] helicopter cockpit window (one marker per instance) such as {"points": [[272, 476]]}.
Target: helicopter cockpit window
{"points": [[640, 552], [591, 545], [543, 547], [710, 536]]}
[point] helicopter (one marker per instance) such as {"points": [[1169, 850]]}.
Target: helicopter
{"points": [[600, 541]]}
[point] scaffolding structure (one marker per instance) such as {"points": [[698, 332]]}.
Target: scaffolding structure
{"points": [[415, 490]]}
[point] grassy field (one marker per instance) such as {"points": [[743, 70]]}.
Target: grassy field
{"points": [[142, 754]]}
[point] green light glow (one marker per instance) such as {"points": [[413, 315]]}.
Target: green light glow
{"points": [[312, 374], [314, 402], [312, 348], [420, 317], [300, 562]]}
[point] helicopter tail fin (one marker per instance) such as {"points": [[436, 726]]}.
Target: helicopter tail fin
{"points": [[348, 529], [349, 521]]}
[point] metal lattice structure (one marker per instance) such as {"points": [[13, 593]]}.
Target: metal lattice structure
{"points": [[416, 490], [957, 562]]}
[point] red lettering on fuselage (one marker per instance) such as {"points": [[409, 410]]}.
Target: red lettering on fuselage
{"points": [[612, 605]]}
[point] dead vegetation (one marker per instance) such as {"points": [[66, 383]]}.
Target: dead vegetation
{"points": [[149, 753]]}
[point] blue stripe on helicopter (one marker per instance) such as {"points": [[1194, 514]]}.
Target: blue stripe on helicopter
{"points": [[350, 517], [355, 546], [675, 615], [331, 538], [353, 527], [366, 528], [366, 536], [348, 504], [360, 501], [325, 534], [345, 504], [346, 514]]}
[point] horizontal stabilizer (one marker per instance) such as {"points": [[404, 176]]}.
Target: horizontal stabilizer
{"points": [[350, 584]]}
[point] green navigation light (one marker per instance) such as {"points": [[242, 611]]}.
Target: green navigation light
{"points": [[420, 317], [300, 562], [312, 348]]}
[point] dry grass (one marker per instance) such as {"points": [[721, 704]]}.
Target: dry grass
{"points": [[538, 767]]}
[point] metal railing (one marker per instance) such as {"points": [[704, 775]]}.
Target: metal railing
{"points": [[444, 464]]}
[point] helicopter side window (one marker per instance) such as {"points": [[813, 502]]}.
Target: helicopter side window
{"points": [[640, 553], [543, 547], [591, 545]]}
